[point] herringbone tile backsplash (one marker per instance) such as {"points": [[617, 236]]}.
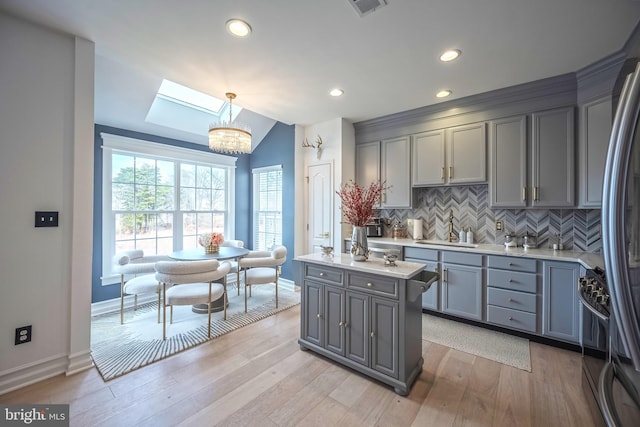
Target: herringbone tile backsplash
{"points": [[579, 229]]}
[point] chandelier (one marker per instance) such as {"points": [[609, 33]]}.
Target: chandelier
{"points": [[227, 137]]}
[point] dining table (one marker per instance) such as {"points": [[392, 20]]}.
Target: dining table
{"points": [[197, 254]]}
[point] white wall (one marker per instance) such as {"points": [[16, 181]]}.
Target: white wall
{"points": [[46, 163], [338, 148]]}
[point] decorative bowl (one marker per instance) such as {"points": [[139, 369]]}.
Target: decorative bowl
{"points": [[390, 259], [327, 250]]}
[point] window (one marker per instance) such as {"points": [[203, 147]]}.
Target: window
{"points": [[159, 198], [267, 207]]}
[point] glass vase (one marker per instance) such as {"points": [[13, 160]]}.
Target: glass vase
{"points": [[359, 246]]}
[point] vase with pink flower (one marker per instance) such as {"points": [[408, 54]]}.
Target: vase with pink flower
{"points": [[211, 242], [357, 209]]}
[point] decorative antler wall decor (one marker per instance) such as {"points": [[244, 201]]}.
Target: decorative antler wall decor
{"points": [[317, 145]]}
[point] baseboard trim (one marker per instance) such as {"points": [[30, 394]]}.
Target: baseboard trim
{"points": [[79, 362], [31, 373]]}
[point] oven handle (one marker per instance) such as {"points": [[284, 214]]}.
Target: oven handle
{"points": [[605, 395], [586, 304]]}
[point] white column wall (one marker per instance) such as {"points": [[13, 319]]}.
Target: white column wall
{"points": [[46, 164]]}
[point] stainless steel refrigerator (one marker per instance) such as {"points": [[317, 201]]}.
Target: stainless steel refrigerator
{"points": [[619, 382]]}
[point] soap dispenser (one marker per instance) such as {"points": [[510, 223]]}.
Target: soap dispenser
{"points": [[469, 236], [461, 237]]}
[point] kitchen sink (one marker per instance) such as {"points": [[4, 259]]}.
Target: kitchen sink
{"points": [[446, 243]]}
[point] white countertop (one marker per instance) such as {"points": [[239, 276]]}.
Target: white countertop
{"points": [[587, 259], [403, 270]]}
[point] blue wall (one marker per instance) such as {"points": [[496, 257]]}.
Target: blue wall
{"points": [[276, 148]]}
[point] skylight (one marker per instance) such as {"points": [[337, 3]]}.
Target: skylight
{"points": [[192, 98]]}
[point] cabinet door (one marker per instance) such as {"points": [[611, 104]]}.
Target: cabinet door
{"points": [[334, 320], [312, 312], [357, 328], [395, 170], [428, 162], [508, 162], [368, 163], [595, 130], [552, 158], [560, 306], [462, 291], [384, 336], [467, 154]]}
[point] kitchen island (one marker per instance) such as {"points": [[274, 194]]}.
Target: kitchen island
{"points": [[364, 315]]}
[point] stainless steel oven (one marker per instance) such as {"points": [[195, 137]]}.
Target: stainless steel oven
{"points": [[594, 296]]}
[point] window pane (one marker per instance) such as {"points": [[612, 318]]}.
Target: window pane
{"points": [[166, 172], [145, 197], [164, 197], [145, 171], [203, 176], [187, 199], [122, 196], [165, 225], [124, 226], [219, 201], [122, 168], [187, 175], [205, 223], [203, 199]]}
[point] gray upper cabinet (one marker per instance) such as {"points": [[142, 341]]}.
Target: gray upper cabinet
{"points": [[368, 163], [428, 158], [552, 158], [456, 155], [395, 171], [595, 130], [467, 154], [387, 161], [508, 162], [534, 172]]}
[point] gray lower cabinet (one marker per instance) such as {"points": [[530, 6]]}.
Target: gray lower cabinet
{"points": [[512, 293], [560, 306], [363, 321], [462, 285]]}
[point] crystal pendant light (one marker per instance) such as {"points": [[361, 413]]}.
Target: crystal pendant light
{"points": [[228, 137]]}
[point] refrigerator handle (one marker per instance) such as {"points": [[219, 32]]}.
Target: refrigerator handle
{"points": [[613, 215]]}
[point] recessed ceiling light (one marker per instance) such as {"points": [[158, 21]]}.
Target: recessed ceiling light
{"points": [[336, 92], [238, 28], [450, 55], [443, 93]]}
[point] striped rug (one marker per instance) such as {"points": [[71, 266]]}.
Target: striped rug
{"points": [[118, 349]]}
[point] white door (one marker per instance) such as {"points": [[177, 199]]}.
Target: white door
{"points": [[320, 207]]}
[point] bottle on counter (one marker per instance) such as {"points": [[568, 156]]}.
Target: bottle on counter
{"points": [[461, 235], [469, 236]]}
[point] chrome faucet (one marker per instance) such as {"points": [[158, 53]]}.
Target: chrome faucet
{"points": [[452, 235]]}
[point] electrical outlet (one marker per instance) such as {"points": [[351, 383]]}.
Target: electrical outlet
{"points": [[499, 225], [46, 219], [23, 335]]}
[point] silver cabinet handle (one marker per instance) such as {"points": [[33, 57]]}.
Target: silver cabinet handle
{"points": [[450, 172], [369, 284], [318, 315], [510, 318], [372, 334], [321, 274], [524, 194], [442, 174], [340, 324], [445, 275], [535, 193]]}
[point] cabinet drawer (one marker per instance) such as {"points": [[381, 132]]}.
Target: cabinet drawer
{"points": [[524, 282], [511, 299], [512, 263], [421, 253], [373, 284], [324, 274], [462, 258], [513, 319]]}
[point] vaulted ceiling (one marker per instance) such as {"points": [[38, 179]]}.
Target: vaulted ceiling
{"points": [[386, 61]]}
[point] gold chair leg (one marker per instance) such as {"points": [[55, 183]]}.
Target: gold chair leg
{"points": [[224, 299], [159, 295], [209, 312], [122, 299], [245, 291], [164, 312]]}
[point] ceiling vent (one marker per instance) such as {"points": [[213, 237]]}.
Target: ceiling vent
{"points": [[364, 7]]}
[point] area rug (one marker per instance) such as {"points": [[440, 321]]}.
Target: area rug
{"points": [[118, 349], [497, 346]]}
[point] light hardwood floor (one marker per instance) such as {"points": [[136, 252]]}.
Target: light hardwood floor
{"points": [[258, 376]]}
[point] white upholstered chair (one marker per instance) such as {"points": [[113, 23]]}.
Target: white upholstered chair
{"points": [[134, 263], [261, 267], [182, 283], [234, 264]]}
